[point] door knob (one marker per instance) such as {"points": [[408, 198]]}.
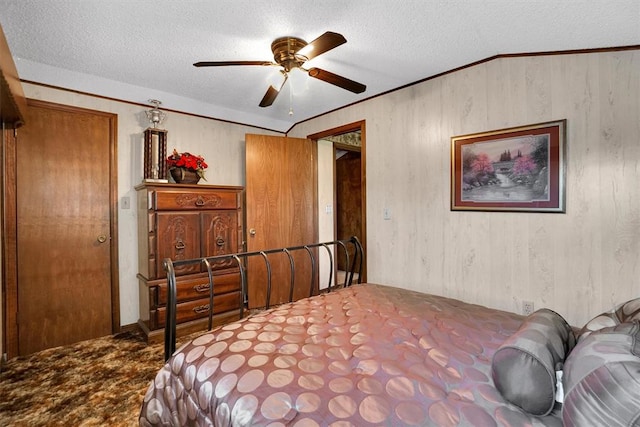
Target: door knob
{"points": [[252, 232], [102, 238]]}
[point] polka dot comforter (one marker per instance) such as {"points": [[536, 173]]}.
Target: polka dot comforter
{"points": [[364, 355]]}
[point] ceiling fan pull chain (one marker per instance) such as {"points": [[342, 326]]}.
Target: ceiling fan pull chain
{"points": [[291, 98]]}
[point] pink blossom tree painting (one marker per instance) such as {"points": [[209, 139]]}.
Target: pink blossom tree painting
{"points": [[506, 169]]}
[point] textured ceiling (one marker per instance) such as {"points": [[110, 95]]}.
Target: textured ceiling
{"points": [[137, 50]]}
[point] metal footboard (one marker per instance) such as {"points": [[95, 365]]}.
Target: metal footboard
{"points": [[355, 265]]}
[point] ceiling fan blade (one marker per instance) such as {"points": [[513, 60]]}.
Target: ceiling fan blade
{"points": [[272, 93], [226, 63], [269, 97], [337, 80], [322, 44]]}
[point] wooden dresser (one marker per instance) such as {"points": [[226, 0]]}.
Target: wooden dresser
{"points": [[181, 221]]}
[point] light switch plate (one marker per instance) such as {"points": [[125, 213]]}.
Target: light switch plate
{"points": [[125, 202]]}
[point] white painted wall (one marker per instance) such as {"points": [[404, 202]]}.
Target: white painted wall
{"points": [[326, 227], [221, 144], [579, 263]]}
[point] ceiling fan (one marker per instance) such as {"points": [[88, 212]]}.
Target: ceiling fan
{"points": [[293, 52]]}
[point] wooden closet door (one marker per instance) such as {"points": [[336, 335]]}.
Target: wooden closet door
{"points": [[281, 207], [65, 290]]}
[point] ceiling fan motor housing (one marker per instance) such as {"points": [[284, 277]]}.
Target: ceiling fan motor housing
{"points": [[284, 52]]}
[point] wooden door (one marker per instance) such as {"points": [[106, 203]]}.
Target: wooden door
{"points": [[281, 206], [348, 201], [66, 292]]}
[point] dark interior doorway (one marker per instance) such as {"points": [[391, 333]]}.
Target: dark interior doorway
{"points": [[348, 195]]}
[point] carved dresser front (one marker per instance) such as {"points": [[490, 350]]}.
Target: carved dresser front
{"points": [[181, 221]]}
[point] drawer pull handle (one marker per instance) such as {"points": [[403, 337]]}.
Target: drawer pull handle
{"points": [[220, 241], [199, 201], [201, 309], [180, 245], [203, 287]]}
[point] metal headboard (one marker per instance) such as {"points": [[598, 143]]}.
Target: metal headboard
{"points": [[355, 265]]}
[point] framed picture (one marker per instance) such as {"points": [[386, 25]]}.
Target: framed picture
{"points": [[516, 169]]}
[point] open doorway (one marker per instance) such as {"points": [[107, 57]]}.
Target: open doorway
{"points": [[348, 193], [341, 187]]}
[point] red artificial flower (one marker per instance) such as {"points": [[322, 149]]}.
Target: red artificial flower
{"points": [[188, 161]]}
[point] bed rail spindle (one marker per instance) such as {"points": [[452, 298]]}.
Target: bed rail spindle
{"points": [[292, 272], [313, 269], [208, 264], [268, 264], [330, 266], [170, 327]]}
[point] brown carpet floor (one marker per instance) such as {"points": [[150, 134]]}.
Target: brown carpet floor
{"points": [[99, 382]]}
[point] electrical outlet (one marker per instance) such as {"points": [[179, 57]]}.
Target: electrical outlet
{"points": [[527, 307]]}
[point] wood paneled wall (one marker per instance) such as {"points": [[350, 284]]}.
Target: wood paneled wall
{"points": [[579, 263]]}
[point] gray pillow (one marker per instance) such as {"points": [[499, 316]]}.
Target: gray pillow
{"points": [[622, 313], [523, 368], [602, 378]]}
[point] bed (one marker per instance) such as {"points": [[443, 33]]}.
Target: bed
{"points": [[370, 354]]}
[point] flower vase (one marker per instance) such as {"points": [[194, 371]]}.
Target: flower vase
{"points": [[184, 176]]}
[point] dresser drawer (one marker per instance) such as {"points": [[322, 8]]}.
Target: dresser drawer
{"points": [[195, 199], [197, 309], [190, 288]]}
